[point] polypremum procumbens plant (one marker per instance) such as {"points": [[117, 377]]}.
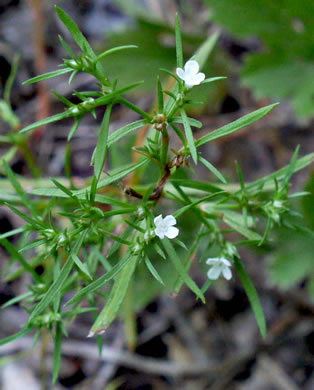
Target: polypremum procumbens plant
{"points": [[97, 243]]}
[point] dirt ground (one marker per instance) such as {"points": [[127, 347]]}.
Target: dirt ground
{"points": [[182, 344]]}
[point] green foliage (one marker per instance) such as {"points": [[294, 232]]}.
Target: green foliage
{"points": [[285, 65], [104, 242], [291, 260], [252, 295]]}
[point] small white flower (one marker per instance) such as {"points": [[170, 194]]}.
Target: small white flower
{"points": [[278, 204], [165, 227], [191, 74], [219, 265]]}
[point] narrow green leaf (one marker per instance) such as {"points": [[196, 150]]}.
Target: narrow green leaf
{"points": [[81, 265], [281, 173], [192, 121], [187, 262], [160, 96], [252, 295], [291, 166], [179, 134], [5, 139], [199, 185], [75, 32], [53, 289], [80, 39], [73, 129], [180, 269], [71, 78], [211, 79], [52, 192], [48, 75], [135, 108], [67, 47], [13, 232], [100, 281], [62, 99], [147, 194], [236, 125], [153, 270], [76, 312], [19, 189], [62, 188], [115, 237], [204, 51], [102, 145], [115, 177], [15, 336], [189, 135], [57, 352], [9, 155], [32, 245], [213, 170], [172, 75], [160, 251], [206, 285], [35, 223], [114, 50], [115, 94], [16, 299], [10, 80], [125, 130], [241, 177], [179, 49], [116, 297], [238, 225], [184, 209], [135, 225], [16, 255], [46, 121]]}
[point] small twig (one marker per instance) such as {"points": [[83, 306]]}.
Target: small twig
{"points": [[168, 368], [177, 161]]}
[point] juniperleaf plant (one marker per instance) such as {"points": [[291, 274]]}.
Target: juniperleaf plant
{"points": [[98, 242]]}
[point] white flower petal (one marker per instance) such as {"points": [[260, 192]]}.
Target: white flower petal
{"points": [[225, 262], [181, 73], [213, 260], [227, 273], [158, 220], [214, 273], [189, 85], [160, 233], [191, 67], [199, 78], [172, 232], [170, 220]]}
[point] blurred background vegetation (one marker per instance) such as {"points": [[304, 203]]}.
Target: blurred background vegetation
{"points": [[266, 49]]}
